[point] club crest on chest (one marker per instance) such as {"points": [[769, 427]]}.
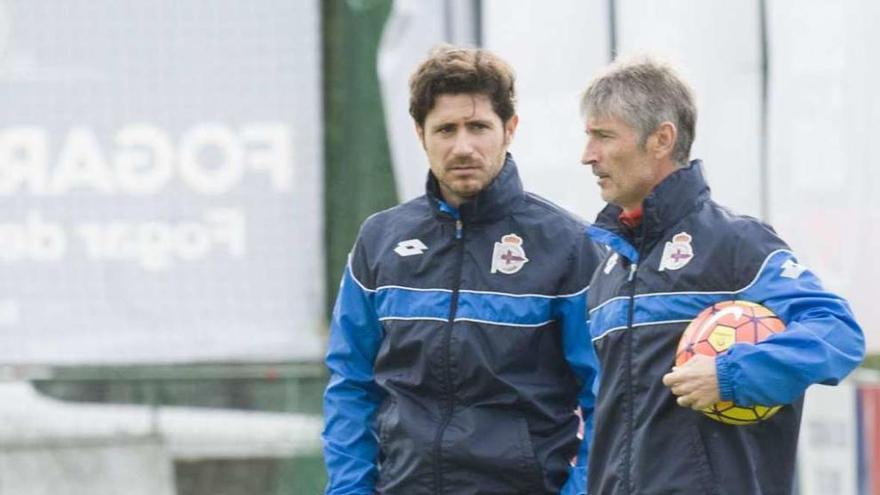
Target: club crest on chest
{"points": [[508, 256], [677, 253]]}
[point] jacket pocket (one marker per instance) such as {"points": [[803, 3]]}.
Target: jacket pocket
{"points": [[490, 451], [702, 464], [529, 466]]}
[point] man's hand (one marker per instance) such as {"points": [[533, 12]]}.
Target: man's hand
{"points": [[695, 383]]}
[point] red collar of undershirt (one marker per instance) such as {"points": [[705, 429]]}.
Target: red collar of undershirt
{"points": [[631, 219]]}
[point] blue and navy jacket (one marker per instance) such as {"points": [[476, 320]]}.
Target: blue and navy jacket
{"points": [[459, 356], [653, 282]]}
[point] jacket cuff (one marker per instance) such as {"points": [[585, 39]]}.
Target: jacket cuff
{"points": [[723, 373], [577, 481]]}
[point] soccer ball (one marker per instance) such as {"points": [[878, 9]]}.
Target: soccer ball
{"points": [[717, 328]]}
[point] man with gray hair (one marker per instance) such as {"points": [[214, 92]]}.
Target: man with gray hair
{"points": [[674, 252]]}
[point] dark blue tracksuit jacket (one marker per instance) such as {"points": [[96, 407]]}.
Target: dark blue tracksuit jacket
{"points": [[459, 350], [687, 254]]}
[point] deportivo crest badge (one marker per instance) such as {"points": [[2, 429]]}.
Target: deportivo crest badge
{"points": [[508, 257], [678, 253]]}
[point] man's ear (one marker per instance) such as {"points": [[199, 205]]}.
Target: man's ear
{"points": [[420, 131], [662, 142], [510, 128]]}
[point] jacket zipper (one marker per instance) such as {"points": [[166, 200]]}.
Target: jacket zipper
{"points": [[449, 403], [631, 280]]}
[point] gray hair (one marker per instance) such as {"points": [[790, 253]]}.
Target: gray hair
{"points": [[644, 92]]}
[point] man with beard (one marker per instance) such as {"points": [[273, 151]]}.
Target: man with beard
{"points": [[458, 347]]}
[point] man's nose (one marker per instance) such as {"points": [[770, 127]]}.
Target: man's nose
{"points": [[463, 145], [589, 156]]}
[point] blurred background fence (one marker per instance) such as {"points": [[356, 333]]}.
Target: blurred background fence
{"points": [[281, 388]]}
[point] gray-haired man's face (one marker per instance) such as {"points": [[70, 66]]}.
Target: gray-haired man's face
{"points": [[625, 169]]}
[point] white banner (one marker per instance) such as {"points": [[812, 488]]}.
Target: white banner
{"points": [[828, 448], [160, 176]]}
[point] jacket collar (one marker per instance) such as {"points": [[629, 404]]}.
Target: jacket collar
{"points": [[493, 202], [676, 196]]}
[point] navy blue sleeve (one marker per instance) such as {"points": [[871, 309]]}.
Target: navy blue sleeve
{"points": [[352, 396], [822, 342]]}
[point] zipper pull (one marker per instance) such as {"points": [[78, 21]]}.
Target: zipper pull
{"points": [[632, 271], [458, 228]]}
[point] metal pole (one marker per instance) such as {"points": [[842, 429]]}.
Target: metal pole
{"points": [[612, 30], [462, 22], [764, 165]]}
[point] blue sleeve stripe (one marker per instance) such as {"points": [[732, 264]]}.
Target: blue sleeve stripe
{"points": [[609, 301], [614, 241], [611, 315], [822, 342], [653, 310], [355, 333], [671, 307], [572, 313], [483, 307], [782, 293], [521, 311], [352, 396], [413, 304]]}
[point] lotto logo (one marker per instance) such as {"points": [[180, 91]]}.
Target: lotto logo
{"points": [[410, 248]]}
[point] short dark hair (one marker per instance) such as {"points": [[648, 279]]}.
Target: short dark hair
{"points": [[452, 70]]}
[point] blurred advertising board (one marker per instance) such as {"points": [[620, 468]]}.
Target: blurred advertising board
{"points": [[160, 181]]}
